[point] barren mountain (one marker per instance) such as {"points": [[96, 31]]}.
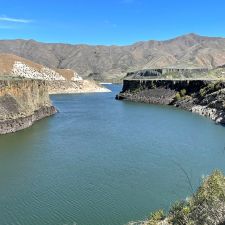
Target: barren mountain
{"points": [[113, 62]]}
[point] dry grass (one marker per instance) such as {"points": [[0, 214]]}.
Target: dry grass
{"points": [[66, 73], [7, 61]]}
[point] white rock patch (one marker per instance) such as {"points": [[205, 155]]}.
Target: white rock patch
{"points": [[22, 70], [205, 111], [76, 77]]}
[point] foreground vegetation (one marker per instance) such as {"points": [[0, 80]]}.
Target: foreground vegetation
{"points": [[205, 207]]}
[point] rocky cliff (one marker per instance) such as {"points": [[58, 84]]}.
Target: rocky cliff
{"points": [[22, 102], [205, 97]]}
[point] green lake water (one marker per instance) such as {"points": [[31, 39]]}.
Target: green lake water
{"points": [[104, 162]]}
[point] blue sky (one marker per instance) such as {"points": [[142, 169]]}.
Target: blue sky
{"points": [[118, 22]]}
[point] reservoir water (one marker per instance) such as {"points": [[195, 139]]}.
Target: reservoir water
{"points": [[104, 162]]}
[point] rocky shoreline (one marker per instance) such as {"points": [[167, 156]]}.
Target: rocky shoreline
{"points": [[14, 125], [22, 102], [205, 97]]}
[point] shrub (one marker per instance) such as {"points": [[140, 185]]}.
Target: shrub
{"points": [[180, 95], [206, 206], [183, 92], [213, 187], [156, 217], [177, 96], [202, 92], [211, 87], [179, 213], [217, 86]]}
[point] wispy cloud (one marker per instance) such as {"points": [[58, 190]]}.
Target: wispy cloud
{"points": [[14, 20]]}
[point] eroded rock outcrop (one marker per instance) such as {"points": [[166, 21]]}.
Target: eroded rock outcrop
{"points": [[22, 102], [205, 97]]}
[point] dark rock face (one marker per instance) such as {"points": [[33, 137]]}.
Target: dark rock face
{"points": [[22, 102], [191, 86], [11, 126], [204, 97]]}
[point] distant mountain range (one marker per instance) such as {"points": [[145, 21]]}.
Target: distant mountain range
{"points": [[113, 62]]}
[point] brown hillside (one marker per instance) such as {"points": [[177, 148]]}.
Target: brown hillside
{"points": [[7, 61], [109, 62]]}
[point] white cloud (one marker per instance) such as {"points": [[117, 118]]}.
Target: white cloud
{"points": [[14, 20]]}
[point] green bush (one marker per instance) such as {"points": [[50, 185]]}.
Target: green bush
{"points": [[183, 92], [179, 213], [211, 87], [156, 217], [177, 96], [208, 200], [202, 92], [217, 86], [213, 187]]}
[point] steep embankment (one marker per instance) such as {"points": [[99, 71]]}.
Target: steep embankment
{"points": [[59, 80], [204, 97], [22, 102], [113, 62]]}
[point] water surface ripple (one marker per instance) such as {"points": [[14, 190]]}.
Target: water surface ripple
{"points": [[104, 162]]}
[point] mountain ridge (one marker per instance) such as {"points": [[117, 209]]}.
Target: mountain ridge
{"points": [[191, 34], [102, 62]]}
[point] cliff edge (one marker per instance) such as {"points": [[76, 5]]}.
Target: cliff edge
{"points": [[205, 97], [22, 102]]}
